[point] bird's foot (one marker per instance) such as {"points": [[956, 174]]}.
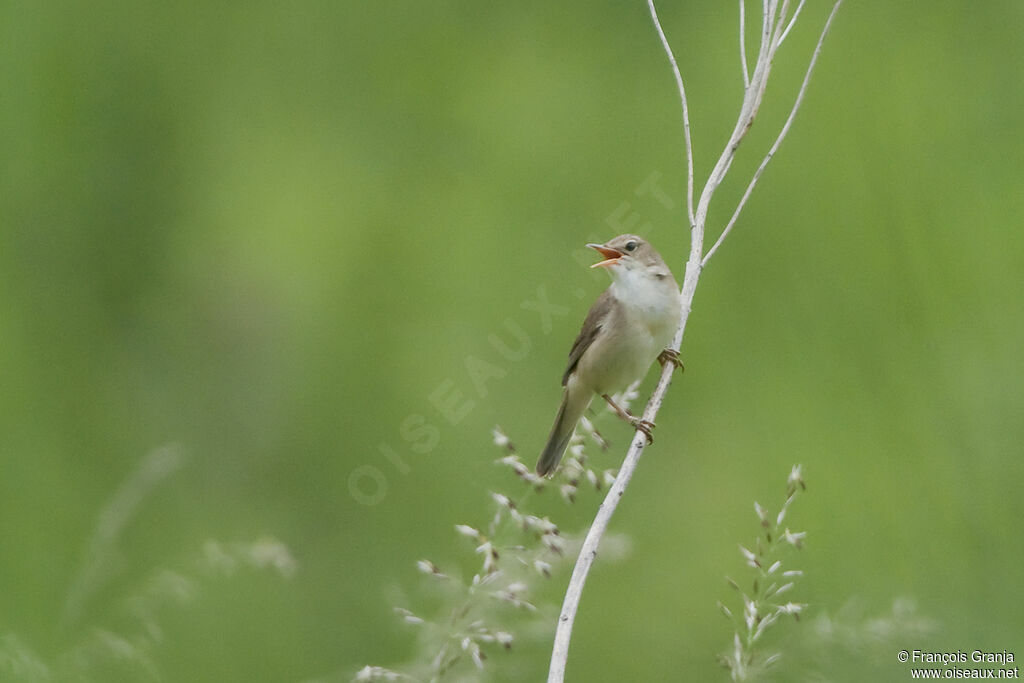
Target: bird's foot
{"points": [[638, 423], [645, 426], [670, 356]]}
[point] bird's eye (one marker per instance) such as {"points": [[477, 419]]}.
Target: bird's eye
{"points": [[630, 246]]}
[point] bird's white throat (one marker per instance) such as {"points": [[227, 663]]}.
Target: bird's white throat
{"points": [[643, 292]]}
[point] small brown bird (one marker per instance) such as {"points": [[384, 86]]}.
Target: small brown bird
{"points": [[628, 328]]}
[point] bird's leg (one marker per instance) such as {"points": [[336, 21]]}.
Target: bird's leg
{"points": [[640, 424], [597, 435], [670, 356]]}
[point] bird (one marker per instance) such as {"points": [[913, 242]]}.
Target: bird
{"points": [[629, 327]]}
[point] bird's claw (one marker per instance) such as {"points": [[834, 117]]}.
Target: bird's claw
{"points": [[645, 426], [670, 356]]}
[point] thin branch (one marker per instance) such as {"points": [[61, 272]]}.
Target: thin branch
{"points": [[766, 10], [778, 25], [748, 110], [743, 44], [686, 110], [792, 21], [779, 139], [771, 37]]}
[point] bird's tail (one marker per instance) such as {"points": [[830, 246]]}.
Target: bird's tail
{"points": [[569, 413]]}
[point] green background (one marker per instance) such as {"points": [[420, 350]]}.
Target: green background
{"points": [[268, 232]]}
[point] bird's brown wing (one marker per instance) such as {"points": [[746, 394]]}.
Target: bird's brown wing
{"points": [[596, 319]]}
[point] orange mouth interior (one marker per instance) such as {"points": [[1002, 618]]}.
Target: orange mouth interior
{"points": [[611, 256]]}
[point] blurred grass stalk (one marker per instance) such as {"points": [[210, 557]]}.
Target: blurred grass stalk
{"points": [[516, 549], [97, 650], [101, 559], [762, 607]]}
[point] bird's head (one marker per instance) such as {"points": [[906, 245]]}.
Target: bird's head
{"points": [[627, 253]]}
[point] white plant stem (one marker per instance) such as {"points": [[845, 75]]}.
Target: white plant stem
{"points": [[774, 29], [686, 110], [743, 43], [782, 133]]}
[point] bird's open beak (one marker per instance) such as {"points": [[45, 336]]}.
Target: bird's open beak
{"points": [[611, 256]]}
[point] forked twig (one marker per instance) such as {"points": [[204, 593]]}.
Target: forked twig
{"points": [[793, 21], [782, 134]]}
